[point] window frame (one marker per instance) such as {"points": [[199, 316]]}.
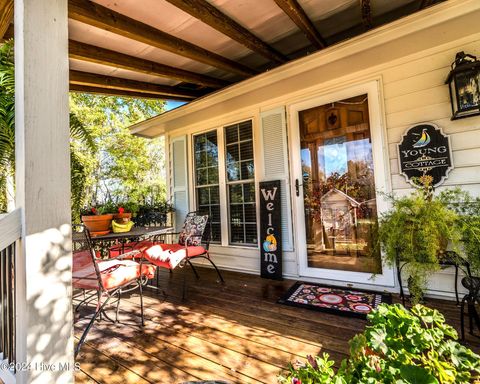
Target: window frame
{"points": [[241, 182]]}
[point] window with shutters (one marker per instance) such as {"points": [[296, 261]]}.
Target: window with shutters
{"points": [[206, 179], [240, 180]]}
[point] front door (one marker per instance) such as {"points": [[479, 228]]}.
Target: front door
{"points": [[336, 191]]}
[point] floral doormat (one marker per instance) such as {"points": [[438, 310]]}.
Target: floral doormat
{"points": [[340, 301]]}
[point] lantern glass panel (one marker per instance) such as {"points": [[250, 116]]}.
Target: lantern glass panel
{"points": [[467, 90]]}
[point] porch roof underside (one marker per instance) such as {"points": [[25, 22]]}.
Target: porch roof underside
{"points": [[185, 49]]}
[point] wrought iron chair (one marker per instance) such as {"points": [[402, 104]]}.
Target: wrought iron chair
{"points": [[193, 242], [472, 298], [109, 278]]}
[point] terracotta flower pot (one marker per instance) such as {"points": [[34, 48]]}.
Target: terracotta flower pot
{"points": [[98, 224], [122, 218]]}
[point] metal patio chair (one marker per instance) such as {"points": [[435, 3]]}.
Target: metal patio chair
{"points": [[193, 243], [108, 278]]}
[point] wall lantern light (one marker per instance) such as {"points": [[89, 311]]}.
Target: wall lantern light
{"points": [[464, 83]]}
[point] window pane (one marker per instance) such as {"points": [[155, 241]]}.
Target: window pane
{"points": [[215, 212], [214, 195], [251, 233], [246, 150], [236, 214], [232, 153], [247, 170], [212, 175], [236, 193], [233, 171], [203, 196], [249, 192], [245, 129], [250, 213], [236, 233], [202, 176], [231, 134]]}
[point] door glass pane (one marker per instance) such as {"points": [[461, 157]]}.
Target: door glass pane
{"points": [[339, 187]]}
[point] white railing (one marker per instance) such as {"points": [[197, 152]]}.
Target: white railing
{"points": [[10, 232]]}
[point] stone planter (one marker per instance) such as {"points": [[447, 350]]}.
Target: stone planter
{"points": [[98, 224]]}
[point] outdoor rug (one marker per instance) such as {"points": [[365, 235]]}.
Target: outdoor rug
{"points": [[340, 301]]}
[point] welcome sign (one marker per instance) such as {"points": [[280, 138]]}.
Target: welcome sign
{"points": [[270, 230], [425, 150]]}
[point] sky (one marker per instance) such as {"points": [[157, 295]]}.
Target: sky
{"points": [[173, 104]]}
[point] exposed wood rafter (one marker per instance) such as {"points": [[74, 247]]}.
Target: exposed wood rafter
{"points": [[6, 16], [90, 53], [293, 10], [110, 82], [425, 4], [208, 14], [101, 17], [366, 14], [119, 92]]}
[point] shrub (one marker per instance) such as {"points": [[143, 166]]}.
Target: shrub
{"points": [[398, 347]]}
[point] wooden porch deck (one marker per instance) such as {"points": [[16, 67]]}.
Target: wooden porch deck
{"points": [[235, 332]]}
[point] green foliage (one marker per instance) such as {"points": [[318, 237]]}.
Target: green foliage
{"points": [[7, 118], [398, 347], [127, 169], [468, 223], [416, 230]]}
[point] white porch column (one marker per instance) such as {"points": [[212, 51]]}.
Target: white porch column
{"points": [[44, 312]]}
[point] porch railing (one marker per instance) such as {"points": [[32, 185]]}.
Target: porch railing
{"points": [[10, 231]]}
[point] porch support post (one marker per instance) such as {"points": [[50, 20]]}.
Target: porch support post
{"points": [[44, 337]]}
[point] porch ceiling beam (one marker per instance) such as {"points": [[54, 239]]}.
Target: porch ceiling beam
{"points": [[6, 16], [210, 15], [90, 53], [101, 17], [295, 12], [123, 93], [366, 14], [110, 82]]}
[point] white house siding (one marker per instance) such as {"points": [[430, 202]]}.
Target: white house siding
{"points": [[410, 58]]}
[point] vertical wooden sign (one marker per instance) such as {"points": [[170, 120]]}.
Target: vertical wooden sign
{"points": [[270, 230]]}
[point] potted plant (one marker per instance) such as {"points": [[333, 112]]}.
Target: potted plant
{"points": [[97, 220], [415, 232]]}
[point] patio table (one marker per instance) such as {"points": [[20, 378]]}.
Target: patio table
{"points": [[104, 242]]}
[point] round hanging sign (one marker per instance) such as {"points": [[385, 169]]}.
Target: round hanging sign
{"points": [[425, 150]]}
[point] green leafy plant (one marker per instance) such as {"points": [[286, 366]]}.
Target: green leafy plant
{"points": [[416, 231], [468, 224], [397, 347]]}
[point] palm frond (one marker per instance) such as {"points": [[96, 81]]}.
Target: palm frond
{"points": [[80, 132]]}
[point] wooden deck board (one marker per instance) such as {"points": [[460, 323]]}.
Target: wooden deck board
{"points": [[234, 332]]}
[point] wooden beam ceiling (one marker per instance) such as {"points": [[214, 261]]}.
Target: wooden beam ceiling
{"points": [[208, 14], [90, 53], [122, 93], [295, 12], [366, 14], [6, 16], [101, 17], [110, 82]]}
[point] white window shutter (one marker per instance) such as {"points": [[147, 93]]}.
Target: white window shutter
{"points": [[179, 177], [275, 164]]}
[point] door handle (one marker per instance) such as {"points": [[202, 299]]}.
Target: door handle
{"points": [[297, 187]]}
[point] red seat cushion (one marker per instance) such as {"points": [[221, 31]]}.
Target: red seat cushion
{"points": [[170, 255], [117, 250], [192, 250], [114, 273]]}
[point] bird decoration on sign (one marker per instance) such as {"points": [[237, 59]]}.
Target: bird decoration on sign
{"points": [[423, 141]]}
